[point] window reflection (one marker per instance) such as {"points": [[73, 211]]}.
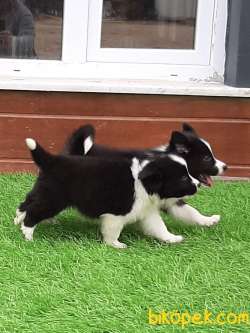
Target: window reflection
{"points": [[158, 24], [31, 29]]}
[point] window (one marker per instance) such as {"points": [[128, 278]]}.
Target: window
{"points": [[160, 31], [31, 29], [148, 24], [155, 39]]}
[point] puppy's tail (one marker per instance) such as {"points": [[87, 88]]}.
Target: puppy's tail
{"points": [[40, 156], [81, 141]]}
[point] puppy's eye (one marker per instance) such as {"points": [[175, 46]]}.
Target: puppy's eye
{"points": [[184, 178], [207, 158]]}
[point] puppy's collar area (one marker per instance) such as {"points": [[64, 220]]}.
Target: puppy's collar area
{"points": [[137, 167], [178, 159]]}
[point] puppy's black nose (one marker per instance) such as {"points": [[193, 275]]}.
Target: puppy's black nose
{"points": [[225, 167]]}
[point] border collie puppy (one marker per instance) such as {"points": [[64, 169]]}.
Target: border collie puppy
{"points": [[119, 191], [197, 153]]}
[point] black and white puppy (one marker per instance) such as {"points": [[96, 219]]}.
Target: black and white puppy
{"points": [[197, 153], [118, 190]]}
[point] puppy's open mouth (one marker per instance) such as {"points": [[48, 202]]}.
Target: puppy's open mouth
{"points": [[206, 180]]}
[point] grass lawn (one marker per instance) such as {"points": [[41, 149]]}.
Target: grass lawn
{"points": [[66, 280]]}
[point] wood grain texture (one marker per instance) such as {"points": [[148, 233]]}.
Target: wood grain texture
{"points": [[123, 105], [121, 121]]}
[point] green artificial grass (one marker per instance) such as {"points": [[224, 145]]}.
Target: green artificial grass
{"points": [[66, 280]]}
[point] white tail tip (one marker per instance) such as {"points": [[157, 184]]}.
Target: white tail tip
{"points": [[31, 144], [88, 143]]}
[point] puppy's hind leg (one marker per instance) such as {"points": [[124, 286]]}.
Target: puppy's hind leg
{"points": [[111, 228], [20, 212], [36, 212]]}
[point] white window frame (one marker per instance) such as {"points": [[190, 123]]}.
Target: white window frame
{"points": [[76, 65], [200, 55]]}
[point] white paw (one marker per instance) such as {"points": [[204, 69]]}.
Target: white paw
{"points": [[117, 245], [174, 239], [20, 216], [27, 232], [211, 220], [18, 212]]}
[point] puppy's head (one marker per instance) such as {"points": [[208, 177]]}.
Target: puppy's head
{"points": [[168, 177], [198, 154]]}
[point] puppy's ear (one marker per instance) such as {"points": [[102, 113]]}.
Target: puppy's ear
{"points": [[188, 128], [151, 178], [179, 143]]}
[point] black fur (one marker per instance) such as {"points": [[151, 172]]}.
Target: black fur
{"points": [[187, 144]]}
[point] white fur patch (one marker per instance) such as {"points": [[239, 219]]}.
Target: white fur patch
{"points": [[161, 148], [112, 225], [195, 181], [20, 216], [18, 212], [178, 159], [31, 144], [88, 143], [136, 167], [28, 232], [153, 225], [190, 215], [220, 166], [111, 228], [181, 161]]}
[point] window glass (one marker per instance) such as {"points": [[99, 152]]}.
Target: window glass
{"points": [[31, 29], [156, 24]]}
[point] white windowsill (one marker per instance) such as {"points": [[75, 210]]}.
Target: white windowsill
{"points": [[157, 87]]}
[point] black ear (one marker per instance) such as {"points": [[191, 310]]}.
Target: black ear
{"points": [[179, 143], [151, 178], [187, 128]]}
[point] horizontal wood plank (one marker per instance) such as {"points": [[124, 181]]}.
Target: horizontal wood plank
{"points": [[121, 120], [225, 137], [123, 105]]}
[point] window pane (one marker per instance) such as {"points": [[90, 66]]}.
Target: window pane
{"points": [[31, 29], [157, 24]]}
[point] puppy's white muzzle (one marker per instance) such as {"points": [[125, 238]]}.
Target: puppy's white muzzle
{"points": [[221, 166]]}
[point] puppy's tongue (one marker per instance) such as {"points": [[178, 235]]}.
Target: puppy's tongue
{"points": [[209, 181]]}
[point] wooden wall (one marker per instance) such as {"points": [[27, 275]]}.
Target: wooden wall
{"points": [[122, 120]]}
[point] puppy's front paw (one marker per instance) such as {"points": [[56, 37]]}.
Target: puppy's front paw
{"points": [[211, 220], [215, 219], [174, 239], [27, 232], [20, 216], [18, 212], [117, 245]]}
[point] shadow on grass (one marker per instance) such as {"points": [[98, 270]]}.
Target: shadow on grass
{"points": [[77, 228], [71, 226]]}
